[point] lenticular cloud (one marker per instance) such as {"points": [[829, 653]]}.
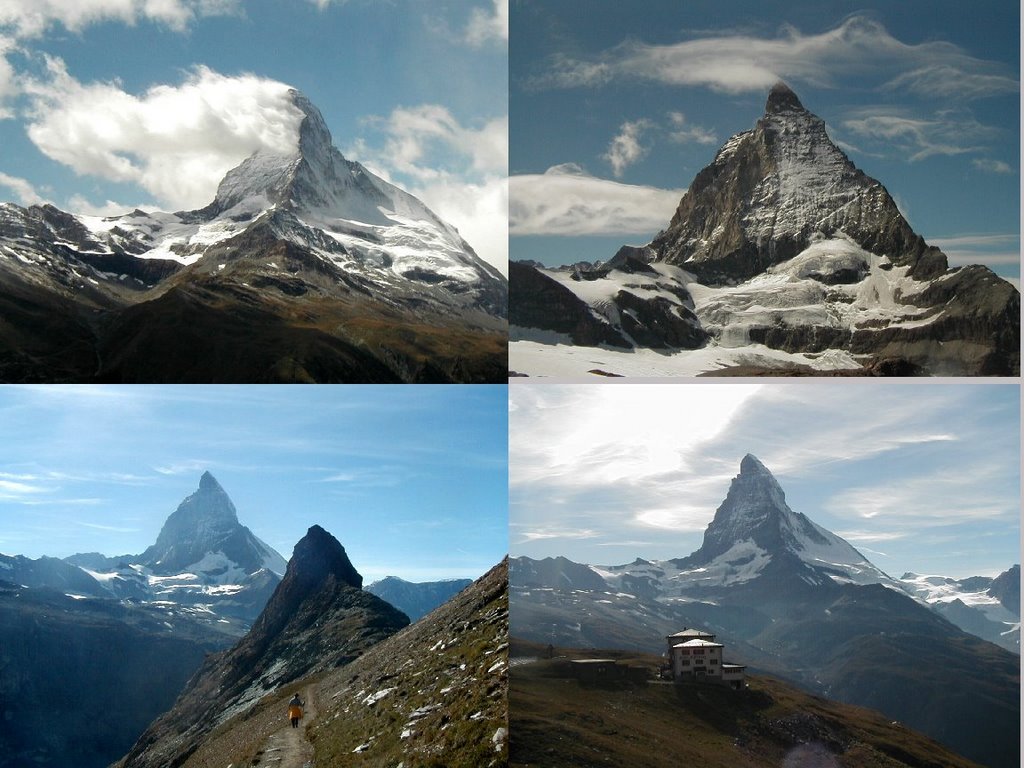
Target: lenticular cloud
{"points": [[176, 142]]}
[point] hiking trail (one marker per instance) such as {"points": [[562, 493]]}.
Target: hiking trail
{"points": [[289, 747]]}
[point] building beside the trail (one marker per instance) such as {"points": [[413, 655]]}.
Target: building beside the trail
{"points": [[694, 655]]}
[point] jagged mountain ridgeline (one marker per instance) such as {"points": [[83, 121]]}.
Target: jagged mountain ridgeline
{"points": [[782, 255], [305, 267], [373, 694], [792, 599]]}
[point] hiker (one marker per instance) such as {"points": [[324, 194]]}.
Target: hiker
{"points": [[295, 710]]}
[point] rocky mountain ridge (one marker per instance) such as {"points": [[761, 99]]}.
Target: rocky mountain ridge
{"points": [[436, 688], [305, 267], [781, 255]]}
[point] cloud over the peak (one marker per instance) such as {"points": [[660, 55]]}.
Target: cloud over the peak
{"points": [[176, 142], [738, 62]]}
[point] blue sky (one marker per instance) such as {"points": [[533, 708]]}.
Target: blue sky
{"points": [[411, 480], [921, 477], [415, 90], [613, 111]]}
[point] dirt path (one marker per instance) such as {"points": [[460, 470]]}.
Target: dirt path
{"points": [[288, 747]]}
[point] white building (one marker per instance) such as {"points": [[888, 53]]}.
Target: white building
{"points": [[694, 655]]}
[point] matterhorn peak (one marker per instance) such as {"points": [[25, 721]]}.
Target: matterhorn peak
{"points": [[752, 465], [208, 483], [781, 98]]}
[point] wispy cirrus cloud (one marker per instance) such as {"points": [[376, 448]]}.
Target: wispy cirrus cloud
{"points": [[897, 131], [565, 200], [860, 47]]}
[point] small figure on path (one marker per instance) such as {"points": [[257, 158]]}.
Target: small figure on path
{"points": [[295, 710]]}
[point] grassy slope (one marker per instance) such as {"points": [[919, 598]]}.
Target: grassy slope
{"points": [[453, 663], [556, 720]]}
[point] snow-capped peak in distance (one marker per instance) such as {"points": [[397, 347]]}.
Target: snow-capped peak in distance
{"points": [[755, 515], [317, 179], [203, 535]]}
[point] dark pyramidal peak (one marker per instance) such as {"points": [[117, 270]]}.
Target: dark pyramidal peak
{"points": [[772, 190], [755, 526], [319, 556], [781, 256], [781, 98]]}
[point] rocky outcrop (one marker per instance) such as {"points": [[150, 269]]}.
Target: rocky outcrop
{"points": [[318, 618], [537, 301]]}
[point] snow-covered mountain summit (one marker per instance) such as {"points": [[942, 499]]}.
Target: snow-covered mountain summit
{"points": [[772, 191], [204, 530], [755, 527], [781, 254], [306, 266]]}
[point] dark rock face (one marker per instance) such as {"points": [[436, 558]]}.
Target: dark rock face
{"points": [[318, 618], [1006, 588], [771, 188], [537, 301]]}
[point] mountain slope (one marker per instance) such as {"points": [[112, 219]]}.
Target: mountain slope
{"points": [[781, 255], [557, 720], [65, 660], [318, 618], [304, 267], [433, 693]]}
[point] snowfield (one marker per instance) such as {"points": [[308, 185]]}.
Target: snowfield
{"points": [[793, 294]]}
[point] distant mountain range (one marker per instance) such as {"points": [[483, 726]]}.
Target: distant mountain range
{"points": [[305, 267], [781, 256], [793, 599], [416, 600]]}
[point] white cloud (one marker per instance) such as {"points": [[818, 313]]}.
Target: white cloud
{"points": [[682, 133], [991, 166], [736, 63], [625, 148], [31, 18], [564, 200], [176, 142], [946, 133], [486, 26], [459, 171], [22, 189]]}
